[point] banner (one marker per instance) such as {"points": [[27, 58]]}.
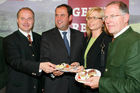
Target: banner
{"points": [[80, 8], [45, 13]]}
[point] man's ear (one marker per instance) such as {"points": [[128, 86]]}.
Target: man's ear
{"points": [[17, 20], [70, 18], [126, 18]]}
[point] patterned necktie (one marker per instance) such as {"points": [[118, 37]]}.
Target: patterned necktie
{"points": [[29, 39], [66, 42]]}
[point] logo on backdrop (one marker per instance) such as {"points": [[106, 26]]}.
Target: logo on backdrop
{"points": [[80, 8]]}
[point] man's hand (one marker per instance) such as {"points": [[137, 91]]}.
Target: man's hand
{"points": [[77, 67], [47, 67], [57, 73], [75, 64], [93, 82]]}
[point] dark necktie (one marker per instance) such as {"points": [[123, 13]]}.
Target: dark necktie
{"points": [[66, 42], [29, 39]]}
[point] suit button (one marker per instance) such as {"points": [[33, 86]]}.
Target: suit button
{"points": [[33, 55], [34, 74], [106, 70], [34, 86], [30, 44]]}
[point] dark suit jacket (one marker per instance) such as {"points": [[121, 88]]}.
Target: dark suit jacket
{"points": [[3, 67], [23, 62], [94, 56], [53, 49], [122, 74]]}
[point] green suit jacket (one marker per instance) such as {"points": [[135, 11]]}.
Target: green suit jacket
{"points": [[3, 70], [122, 73]]}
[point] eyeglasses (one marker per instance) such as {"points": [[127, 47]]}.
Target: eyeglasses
{"points": [[111, 17], [93, 18]]}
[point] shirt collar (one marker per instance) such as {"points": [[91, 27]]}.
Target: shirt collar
{"points": [[26, 34], [68, 32], [122, 31]]}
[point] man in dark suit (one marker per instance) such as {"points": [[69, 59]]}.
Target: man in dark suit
{"points": [[3, 69], [122, 73], [54, 49], [22, 52]]}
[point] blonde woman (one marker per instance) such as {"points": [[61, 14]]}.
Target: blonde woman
{"points": [[97, 43]]}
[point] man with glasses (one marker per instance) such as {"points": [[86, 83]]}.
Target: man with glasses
{"points": [[122, 73]]}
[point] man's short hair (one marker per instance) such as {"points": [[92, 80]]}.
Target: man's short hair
{"points": [[69, 8], [122, 6], [25, 8]]}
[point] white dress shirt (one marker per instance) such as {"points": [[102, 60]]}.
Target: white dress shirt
{"points": [[68, 34], [26, 34], [122, 31]]}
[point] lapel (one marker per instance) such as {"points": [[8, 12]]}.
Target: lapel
{"points": [[36, 40], [23, 40], [96, 48], [120, 37], [35, 43], [21, 37], [72, 40], [123, 35], [59, 39], [113, 46]]}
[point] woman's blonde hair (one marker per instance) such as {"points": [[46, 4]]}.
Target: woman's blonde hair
{"points": [[90, 11]]}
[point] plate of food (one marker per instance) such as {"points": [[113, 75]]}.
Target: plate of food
{"points": [[86, 74], [66, 67]]}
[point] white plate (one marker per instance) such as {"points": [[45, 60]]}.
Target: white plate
{"points": [[66, 69], [82, 80]]}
